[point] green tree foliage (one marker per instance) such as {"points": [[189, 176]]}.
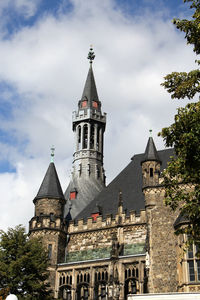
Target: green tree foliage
{"points": [[183, 84], [23, 265], [182, 176]]}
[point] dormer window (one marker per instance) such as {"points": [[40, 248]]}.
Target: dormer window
{"points": [[72, 195], [84, 104], [95, 104], [94, 216]]}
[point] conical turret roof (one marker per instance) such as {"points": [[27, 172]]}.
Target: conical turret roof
{"points": [[151, 151], [90, 90], [50, 187]]}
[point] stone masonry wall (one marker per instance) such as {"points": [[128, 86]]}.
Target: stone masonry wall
{"points": [[47, 206], [93, 240], [162, 243]]}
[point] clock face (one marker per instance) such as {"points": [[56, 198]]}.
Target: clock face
{"points": [[84, 103], [94, 104]]}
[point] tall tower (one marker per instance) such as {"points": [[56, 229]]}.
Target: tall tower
{"points": [[88, 123], [161, 241], [48, 221]]}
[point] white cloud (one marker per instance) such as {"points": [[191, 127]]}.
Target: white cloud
{"points": [[26, 8], [47, 65]]}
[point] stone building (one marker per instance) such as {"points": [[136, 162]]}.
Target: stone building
{"points": [[105, 242]]}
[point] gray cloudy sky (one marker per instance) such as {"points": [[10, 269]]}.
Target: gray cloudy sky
{"points": [[43, 68]]}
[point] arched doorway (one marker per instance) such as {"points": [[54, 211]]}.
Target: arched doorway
{"points": [[100, 290], [130, 287], [65, 292], [82, 292]]}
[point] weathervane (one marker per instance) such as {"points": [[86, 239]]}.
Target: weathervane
{"points": [[91, 55], [150, 131], [52, 153]]}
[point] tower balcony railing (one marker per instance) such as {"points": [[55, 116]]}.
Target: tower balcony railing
{"points": [[88, 114]]}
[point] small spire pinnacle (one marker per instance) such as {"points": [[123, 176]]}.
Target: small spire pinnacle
{"points": [[120, 200], [91, 55], [150, 132], [52, 153]]}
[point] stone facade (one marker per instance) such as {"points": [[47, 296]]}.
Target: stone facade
{"points": [[102, 253], [108, 256]]}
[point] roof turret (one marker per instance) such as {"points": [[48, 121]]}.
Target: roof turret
{"points": [[151, 153], [90, 91], [50, 187]]}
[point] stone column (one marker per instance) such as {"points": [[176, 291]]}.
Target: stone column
{"points": [[73, 285], [92, 278], [82, 136], [76, 139], [95, 137], [100, 141], [56, 286]]}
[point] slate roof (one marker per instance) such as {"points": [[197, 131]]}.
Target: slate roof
{"points": [[129, 182], [87, 189], [90, 90], [151, 152], [50, 187]]}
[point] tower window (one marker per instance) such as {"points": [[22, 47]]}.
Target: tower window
{"points": [[92, 137], [79, 137], [151, 172], [72, 195], [94, 216], [94, 104], [85, 136], [49, 251], [84, 104], [193, 264]]}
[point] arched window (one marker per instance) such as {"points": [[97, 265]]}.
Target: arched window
{"points": [[92, 137], [151, 172], [79, 137], [129, 273], [137, 272], [85, 136], [133, 272]]}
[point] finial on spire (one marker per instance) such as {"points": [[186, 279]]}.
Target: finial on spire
{"points": [[91, 55], [120, 200], [52, 153], [150, 132]]}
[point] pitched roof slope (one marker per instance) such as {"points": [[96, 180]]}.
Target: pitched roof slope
{"points": [[129, 182], [50, 187]]}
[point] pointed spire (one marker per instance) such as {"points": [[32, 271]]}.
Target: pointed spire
{"points": [[50, 187], [90, 90], [120, 200], [151, 151], [52, 153], [91, 55]]}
